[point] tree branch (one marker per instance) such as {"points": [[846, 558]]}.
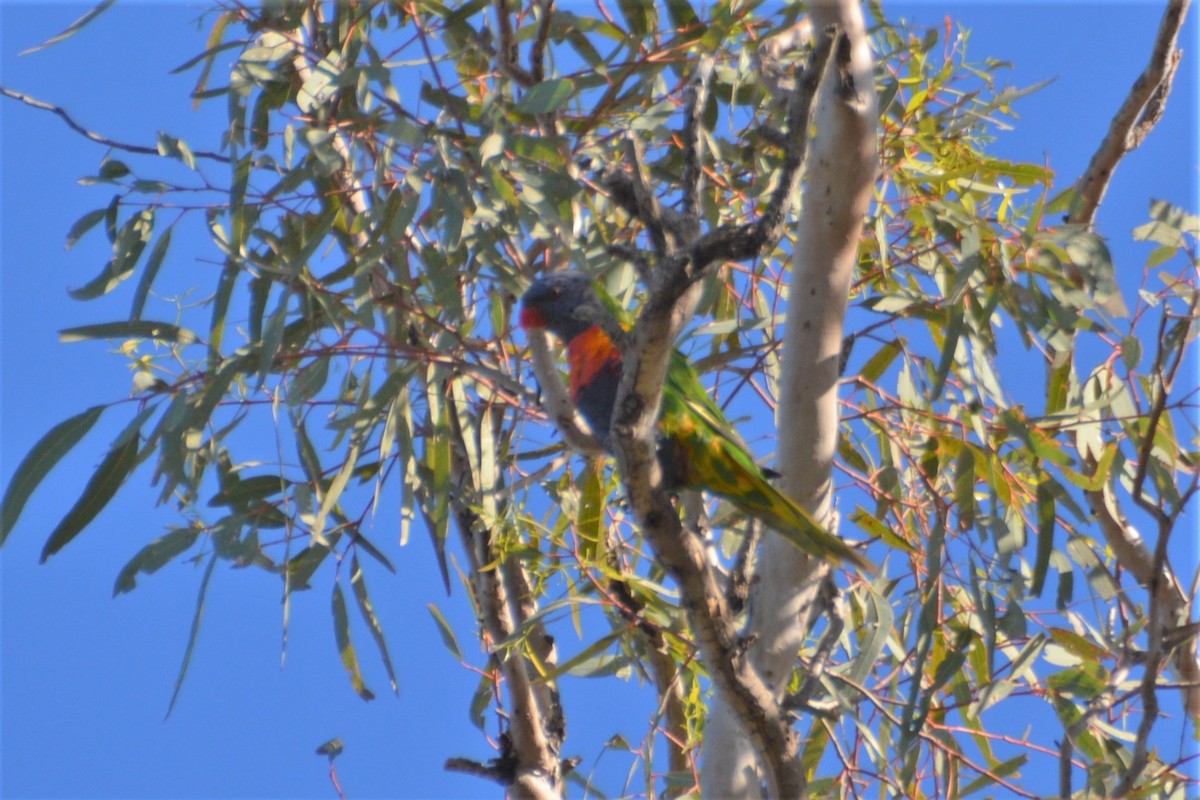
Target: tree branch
{"points": [[663, 670], [693, 166], [1136, 117], [96, 137], [1168, 607], [839, 178]]}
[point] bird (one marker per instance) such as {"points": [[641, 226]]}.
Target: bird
{"points": [[698, 447]]}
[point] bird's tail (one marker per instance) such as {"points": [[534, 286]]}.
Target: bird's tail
{"points": [[789, 519]]}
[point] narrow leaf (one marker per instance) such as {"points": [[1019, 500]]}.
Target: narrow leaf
{"points": [[446, 631], [214, 39], [876, 636], [341, 633], [334, 492], [590, 515], [216, 328], [954, 332], [879, 363], [155, 556], [547, 96], [84, 224], [272, 337], [73, 28], [131, 329], [149, 273], [197, 616], [1045, 533], [41, 459], [108, 477], [368, 613]]}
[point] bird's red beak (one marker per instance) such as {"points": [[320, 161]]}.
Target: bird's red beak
{"points": [[532, 319]]}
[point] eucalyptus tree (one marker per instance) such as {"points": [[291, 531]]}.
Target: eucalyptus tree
{"points": [[806, 206]]}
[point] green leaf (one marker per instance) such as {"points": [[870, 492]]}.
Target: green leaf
{"points": [[127, 249], [333, 748], [359, 584], [310, 379], [108, 477], [330, 498], [593, 661], [954, 332], [73, 28], [84, 224], [876, 635], [1078, 645], [683, 16], [1045, 532], [322, 83], [341, 633], [873, 526], [964, 486], [590, 515], [1002, 770], [242, 493], [435, 495], [102, 284], [112, 169], [272, 337], [484, 694], [216, 328], [303, 565], [155, 556], [132, 329], [446, 631], [197, 616], [547, 96], [48, 451], [877, 365], [149, 273]]}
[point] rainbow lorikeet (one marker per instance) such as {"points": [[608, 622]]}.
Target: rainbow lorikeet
{"points": [[698, 448]]}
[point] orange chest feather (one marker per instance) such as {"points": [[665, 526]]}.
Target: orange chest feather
{"points": [[588, 355]]}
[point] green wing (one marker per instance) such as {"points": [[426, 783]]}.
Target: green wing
{"points": [[706, 453], [702, 451]]}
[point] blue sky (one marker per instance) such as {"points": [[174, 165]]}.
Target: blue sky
{"points": [[85, 679]]}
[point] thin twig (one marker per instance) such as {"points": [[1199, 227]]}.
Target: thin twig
{"points": [[96, 137]]}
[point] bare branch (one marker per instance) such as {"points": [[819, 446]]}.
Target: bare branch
{"points": [[663, 670], [508, 52], [739, 242], [467, 766], [1168, 600], [537, 51], [770, 54], [829, 600], [1138, 114], [693, 167], [840, 165], [96, 137]]}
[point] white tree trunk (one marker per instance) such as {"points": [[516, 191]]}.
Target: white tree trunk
{"points": [[838, 187]]}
